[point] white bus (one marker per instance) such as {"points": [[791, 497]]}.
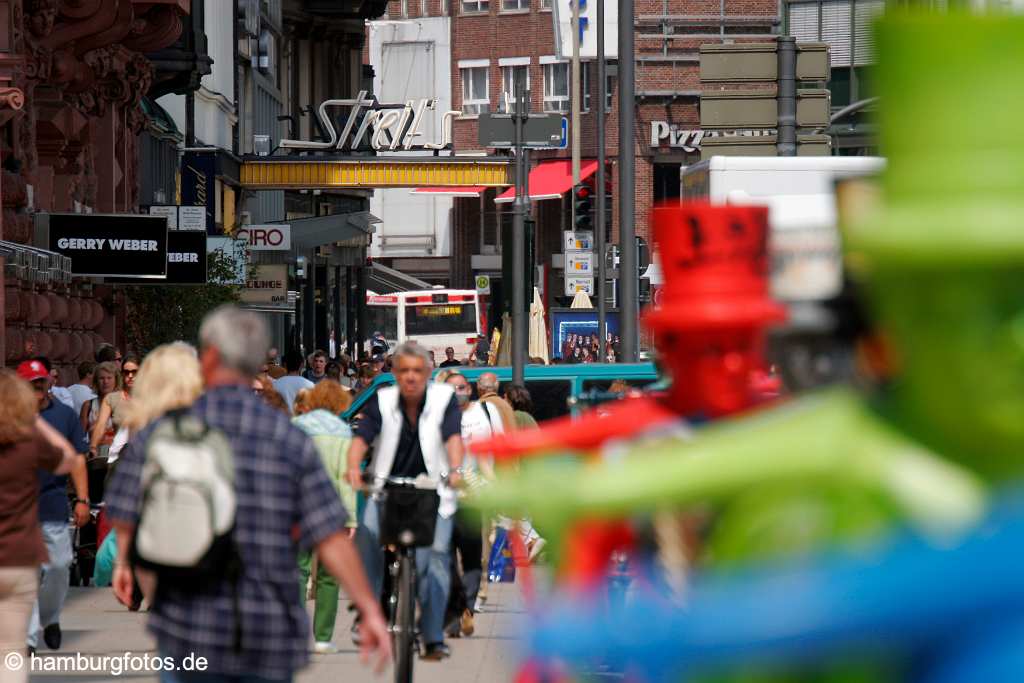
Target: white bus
{"points": [[434, 318]]}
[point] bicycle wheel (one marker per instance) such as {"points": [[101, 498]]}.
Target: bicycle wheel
{"points": [[405, 614]]}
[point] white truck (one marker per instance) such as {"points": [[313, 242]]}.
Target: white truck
{"points": [[806, 260], [816, 345]]}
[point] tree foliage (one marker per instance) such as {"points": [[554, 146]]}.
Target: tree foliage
{"points": [[158, 314]]}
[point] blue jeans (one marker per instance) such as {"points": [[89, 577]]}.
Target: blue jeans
{"points": [[203, 677], [433, 569], [54, 581]]}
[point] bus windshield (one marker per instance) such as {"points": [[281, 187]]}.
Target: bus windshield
{"points": [[450, 318], [383, 319]]}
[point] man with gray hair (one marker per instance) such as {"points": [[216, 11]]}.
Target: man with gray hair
{"points": [[417, 428], [487, 386], [253, 626]]}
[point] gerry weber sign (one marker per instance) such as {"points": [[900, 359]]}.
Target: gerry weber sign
{"points": [[689, 140], [107, 245], [385, 127]]}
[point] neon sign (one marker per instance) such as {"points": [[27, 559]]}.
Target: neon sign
{"points": [[387, 128]]}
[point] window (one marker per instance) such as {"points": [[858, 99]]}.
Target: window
{"points": [[556, 87], [476, 6], [515, 5], [609, 88], [831, 21], [550, 398], [585, 85], [442, 319], [510, 78], [557, 81], [475, 99], [545, 5]]}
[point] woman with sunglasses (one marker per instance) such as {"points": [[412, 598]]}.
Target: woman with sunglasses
{"points": [[113, 410]]}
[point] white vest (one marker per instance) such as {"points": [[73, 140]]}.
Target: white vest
{"points": [[435, 456]]}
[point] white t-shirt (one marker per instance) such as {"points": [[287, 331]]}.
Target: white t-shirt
{"points": [[479, 421], [62, 395], [289, 385], [80, 394]]}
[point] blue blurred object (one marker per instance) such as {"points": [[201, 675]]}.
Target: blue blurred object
{"points": [[957, 613], [501, 566]]}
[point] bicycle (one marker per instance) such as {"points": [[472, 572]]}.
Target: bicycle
{"points": [[408, 515]]}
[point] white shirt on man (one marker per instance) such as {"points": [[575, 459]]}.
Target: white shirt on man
{"points": [[80, 395]]}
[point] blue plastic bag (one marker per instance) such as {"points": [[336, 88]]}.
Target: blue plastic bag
{"points": [[501, 566]]}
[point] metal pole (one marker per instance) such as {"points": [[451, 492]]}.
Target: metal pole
{"points": [[362, 323], [350, 312], [309, 305], [519, 331], [602, 94], [574, 100], [787, 96], [336, 305], [628, 276]]}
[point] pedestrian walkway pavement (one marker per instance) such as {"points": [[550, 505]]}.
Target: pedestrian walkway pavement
{"points": [[96, 625]]}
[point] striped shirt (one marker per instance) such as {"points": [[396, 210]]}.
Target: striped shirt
{"points": [[281, 486]]}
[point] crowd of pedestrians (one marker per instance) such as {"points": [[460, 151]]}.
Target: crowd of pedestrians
{"points": [[297, 467]]}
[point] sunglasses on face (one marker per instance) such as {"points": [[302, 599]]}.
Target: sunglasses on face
{"points": [[126, 373]]}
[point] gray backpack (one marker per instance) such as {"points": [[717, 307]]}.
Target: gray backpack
{"points": [[187, 513]]}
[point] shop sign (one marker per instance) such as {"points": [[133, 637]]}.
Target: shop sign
{"points": [[186, 261], [107, 245], [690, 140], [267, 285], [182, 217], [385, 127], [235, 251], [266, 237], [170, 212], [199, 186]]}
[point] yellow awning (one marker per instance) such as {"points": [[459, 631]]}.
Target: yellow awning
{"points": [[314, 174]]}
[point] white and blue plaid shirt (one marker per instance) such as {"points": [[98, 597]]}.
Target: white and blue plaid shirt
{"points": [[286, 501]]}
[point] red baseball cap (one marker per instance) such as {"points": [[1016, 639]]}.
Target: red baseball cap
{"points": [[31, 370]]}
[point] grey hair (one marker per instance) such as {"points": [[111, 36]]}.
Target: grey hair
{"points": [[411, 349], [241, 337], [488, 381]]}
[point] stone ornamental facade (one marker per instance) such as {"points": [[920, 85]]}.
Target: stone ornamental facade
{"points": [[72, 76]]}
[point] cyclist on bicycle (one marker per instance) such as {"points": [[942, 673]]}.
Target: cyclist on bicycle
{"points": [[417, 430]]}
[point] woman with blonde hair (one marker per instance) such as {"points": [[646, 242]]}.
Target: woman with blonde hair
{"points": [[332, 437], [27, 444], [168, 379]]}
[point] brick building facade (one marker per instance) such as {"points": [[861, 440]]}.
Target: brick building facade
{"points": [[496, 37]]}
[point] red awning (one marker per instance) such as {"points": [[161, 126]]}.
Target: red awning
{"points": [[469, 191], [551, 179]]}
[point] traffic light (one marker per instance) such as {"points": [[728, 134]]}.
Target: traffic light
{"points": [[581, 208]]}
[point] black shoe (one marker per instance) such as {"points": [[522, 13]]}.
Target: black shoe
{"points": [[51, 636], [357, 637], [435, 652], [453, 629]]}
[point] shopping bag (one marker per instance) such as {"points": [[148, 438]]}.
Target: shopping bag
{"points": [[501, 566]]}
